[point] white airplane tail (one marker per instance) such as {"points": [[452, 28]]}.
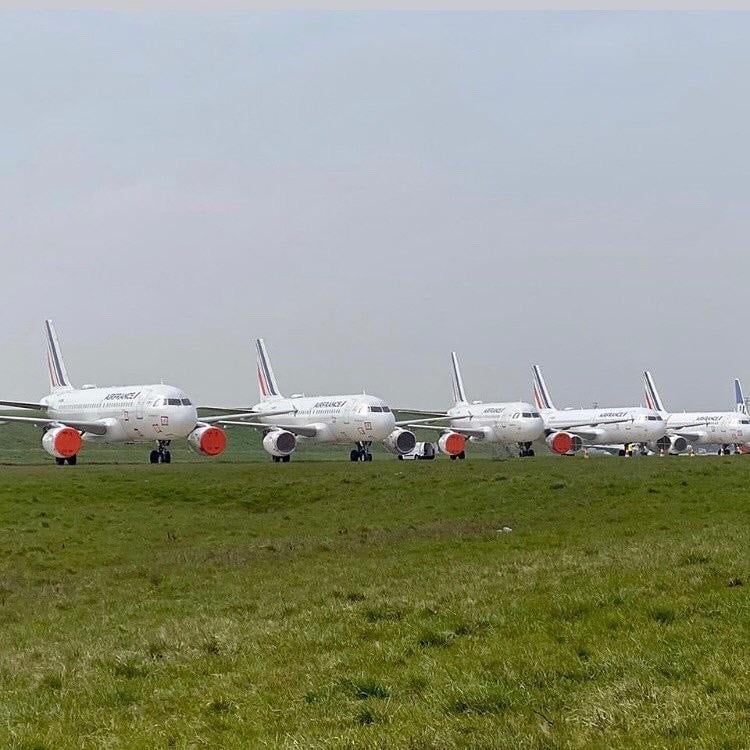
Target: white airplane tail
{"points": [[739, 397], [653, 399], [459, 394], [58, 374], [541, 393], [267, 385]]}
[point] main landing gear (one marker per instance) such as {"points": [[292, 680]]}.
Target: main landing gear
{"points": [[70, 461], [460, 456], [281, 459], [525, 449], [361, 452], [161, 455], [724, 450]]}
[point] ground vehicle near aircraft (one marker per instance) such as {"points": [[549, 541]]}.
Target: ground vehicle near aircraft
{"points": [[115, 414], [685, 429], [568, 430], [499, 423]]}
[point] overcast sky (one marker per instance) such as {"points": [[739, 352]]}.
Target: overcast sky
{"points": [[370, 191]]}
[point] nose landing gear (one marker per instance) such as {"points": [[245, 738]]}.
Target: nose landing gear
{"points": [[525, 449], [161, 455], [361, 452], [724, 450]]}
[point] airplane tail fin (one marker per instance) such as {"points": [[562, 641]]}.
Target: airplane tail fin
{"points": [[459, 394], [58, 374], [267, 385], [541, 393], [653, 400], [739, 397]]}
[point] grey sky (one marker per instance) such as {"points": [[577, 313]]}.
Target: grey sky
{"points": [[369, 191]]}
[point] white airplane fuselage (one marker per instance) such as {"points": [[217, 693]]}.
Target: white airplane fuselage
{"points": [[504, 423], [711, 428], [132, 413], [640, 425], [337, 419]]}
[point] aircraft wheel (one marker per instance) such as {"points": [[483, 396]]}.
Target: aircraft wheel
{"points": [[354, 455], [453, 458], [368, 456], [462, 455], [153, 457], [72, 460], [166, 457], [286, 459], [530, 452], [60, 461]]}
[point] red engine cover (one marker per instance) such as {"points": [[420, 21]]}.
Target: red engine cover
{"points": [[67, 442], [561, 443], [213, 441], [452, 443]]}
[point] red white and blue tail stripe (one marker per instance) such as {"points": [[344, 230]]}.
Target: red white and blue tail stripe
{"points": [[58, 375], [459, 394], [267, 385], [541, 394], [653, 400], [739, 398]]}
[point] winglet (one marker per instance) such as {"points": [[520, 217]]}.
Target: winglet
{"points": [[58, 374], [739, 397], [653, 400], [267, 385], [459, 394], [541, 393]]}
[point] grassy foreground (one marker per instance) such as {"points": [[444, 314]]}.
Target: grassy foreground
{"points": [[327, 605]]}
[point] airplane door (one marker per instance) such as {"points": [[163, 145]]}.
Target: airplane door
{"points": [[140, 404]]}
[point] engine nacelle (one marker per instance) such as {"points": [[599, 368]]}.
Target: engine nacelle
{"points": [[208, 440], [400, 442], [564, 443], [62, 442], [279, 442], [670, 444], [452, 443]]}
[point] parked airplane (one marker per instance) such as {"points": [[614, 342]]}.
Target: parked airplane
{"points": [[723, 428], [569, 430], [115, 414], [358, 419], [502, 423]]}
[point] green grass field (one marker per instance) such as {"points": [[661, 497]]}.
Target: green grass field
{"points": [[328, 605]]}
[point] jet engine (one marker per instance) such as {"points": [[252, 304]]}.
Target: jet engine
{"points": [[452, 443], [279, 442], [208, 440], [400, 442], [62, 442], [564, 443], [669, 443]]}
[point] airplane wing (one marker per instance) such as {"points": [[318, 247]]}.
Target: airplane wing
{"points": [[468, 431], [95, 428], [421, 412], [416, 422], [302, 430], [24, 405], [241, 415]]}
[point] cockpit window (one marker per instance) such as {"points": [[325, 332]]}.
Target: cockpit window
{"points": [[744, 421], [376, 409], [529, 414], [174, 401], [654, 419], [187, 402], [387, 409]]}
